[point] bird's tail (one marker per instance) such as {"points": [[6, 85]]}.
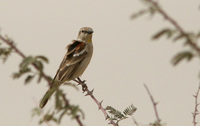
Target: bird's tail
{"points": [[47, 95]]}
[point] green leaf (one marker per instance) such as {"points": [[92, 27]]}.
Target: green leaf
{"points": [[36, 112], [117, 114], [26, 61], [156, 123], [61, 115], [29, 78], [182, 55], [74, 111], [178, 37], [39, 77], [43, 58], [59, 100], [21, 72], [82, 113], [39, 65], [130, 110], [139, 13], [48, 117], [167, 31], [4, 53], [152, 10]]}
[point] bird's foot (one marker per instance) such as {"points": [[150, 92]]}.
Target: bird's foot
{"points": [[82, 83]]}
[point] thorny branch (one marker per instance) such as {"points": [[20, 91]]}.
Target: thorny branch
{"points": [[11, 44], [154, 105], [196, 112], [191, 42], [90, 93]]}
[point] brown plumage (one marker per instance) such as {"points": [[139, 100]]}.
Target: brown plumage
{"points": [[74, 63]]}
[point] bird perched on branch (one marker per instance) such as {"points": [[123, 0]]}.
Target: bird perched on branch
{"points": [[74, 63]]}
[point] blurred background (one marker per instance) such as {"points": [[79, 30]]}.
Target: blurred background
{"points": [[124, 59]]}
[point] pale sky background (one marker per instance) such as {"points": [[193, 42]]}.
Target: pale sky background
{"points": [[124, 59]]}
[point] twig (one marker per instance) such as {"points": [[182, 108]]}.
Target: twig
{"points": [[11, 44], [191, 42], [154, 105], [196, 112], [135, 122], [90, 93], [78, 120]]}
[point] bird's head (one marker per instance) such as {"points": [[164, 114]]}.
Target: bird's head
{"points": [[85, 34]]}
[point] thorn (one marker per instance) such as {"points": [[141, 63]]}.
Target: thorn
{"points": [[156, 103], [100, 105], [89, 92], [101, 102], [86, 94], [107, 117], [83, 81]]}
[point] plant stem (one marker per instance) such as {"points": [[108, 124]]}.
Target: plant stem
{"points": [[154, 105], [191, 42]]}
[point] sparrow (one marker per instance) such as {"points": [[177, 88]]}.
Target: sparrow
{"points": [[74, 63]]}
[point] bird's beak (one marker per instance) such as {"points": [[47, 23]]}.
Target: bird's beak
{"points": [[90, 31]]}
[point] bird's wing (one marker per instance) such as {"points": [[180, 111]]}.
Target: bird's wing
{"points": [[75, 54]]}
